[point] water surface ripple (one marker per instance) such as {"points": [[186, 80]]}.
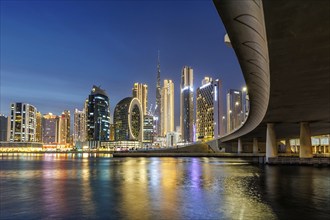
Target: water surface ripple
{"points": [[98, 186]]}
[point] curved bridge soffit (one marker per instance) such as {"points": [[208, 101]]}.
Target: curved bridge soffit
{"points": [[245, 25]]}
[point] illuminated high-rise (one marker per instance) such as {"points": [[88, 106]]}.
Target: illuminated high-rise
{"points": [[167, 110], [79, 128], [64, 128], [50, 129], [234, 109], [187, 104], [157, 115], [245, 103], [148, 131], [38, 127], [22, 124], [140, 91], [209, 109], [98, 115]]}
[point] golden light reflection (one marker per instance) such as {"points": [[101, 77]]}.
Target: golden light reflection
{"points": [[134, 188], [175, 188], [86, 186]]}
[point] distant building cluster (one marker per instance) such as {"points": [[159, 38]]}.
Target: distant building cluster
{"points": [[203, 117]]}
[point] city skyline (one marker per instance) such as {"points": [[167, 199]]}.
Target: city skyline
{"points": [[57, 74]]}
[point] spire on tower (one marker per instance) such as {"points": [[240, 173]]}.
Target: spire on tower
{"points": [[158, 71], [158, 100]]}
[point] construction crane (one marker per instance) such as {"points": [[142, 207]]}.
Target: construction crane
{"points": [[149, 111], [152, 112]]}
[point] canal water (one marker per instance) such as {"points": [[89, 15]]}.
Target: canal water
{"points": [[98, 186]]}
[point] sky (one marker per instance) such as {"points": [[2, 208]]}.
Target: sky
{"points": [[53, 52]]}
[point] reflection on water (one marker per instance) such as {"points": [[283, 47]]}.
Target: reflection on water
{"points": [[98, 186]]}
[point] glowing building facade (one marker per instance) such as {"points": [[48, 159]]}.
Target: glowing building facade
{"points": [[157, 115], [22, 123], [79, 128], [209, 109], [50, 129], [140, 91], [148, 122], [98, 115], [187, 105], [64, 128], [167, 108], [38, 127]]}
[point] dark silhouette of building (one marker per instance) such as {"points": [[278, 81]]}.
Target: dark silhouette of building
{"points": [[98, 115]]}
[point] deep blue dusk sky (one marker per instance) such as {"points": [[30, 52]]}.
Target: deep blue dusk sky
{"points": [[53, 52]]}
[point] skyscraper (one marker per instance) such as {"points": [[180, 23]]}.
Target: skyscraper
{"points": [[50, 129], [245, 103], [79, 129], [167, 110], [128, 120], [148, 125], [158, 107], [3, 127], [38, 127], [187, 104], [234, 109], [22, 125], [140, 91], [64, 128], [209, 109], [98, 115]]}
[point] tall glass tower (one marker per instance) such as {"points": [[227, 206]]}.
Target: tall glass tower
{"points": [[157, 119], [98, 115], [187, 105]]}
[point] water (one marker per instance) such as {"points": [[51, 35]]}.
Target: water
{"points": [[97, 186]]}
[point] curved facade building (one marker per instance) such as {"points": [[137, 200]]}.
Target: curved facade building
{"points": [[128, 120], [98, 115]]}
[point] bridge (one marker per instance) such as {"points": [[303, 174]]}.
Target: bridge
{"points": [[283, 48]]}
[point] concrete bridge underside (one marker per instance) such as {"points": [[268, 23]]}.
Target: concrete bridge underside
{"points": [[283, 48]]}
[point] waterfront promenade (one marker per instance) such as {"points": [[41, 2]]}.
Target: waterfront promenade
{"points": [[258, 158]]}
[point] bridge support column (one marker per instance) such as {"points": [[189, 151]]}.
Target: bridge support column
{"points": [[239, 146], [271, 147], [305, 141], [255, 146], [287, 146]]}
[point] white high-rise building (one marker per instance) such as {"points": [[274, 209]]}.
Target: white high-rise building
{"points": [[167, 107], [187, 105], [22, 123], [140, 91], [79, 129]]}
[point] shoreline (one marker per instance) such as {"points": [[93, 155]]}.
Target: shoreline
{"points": [[258, 158]]}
